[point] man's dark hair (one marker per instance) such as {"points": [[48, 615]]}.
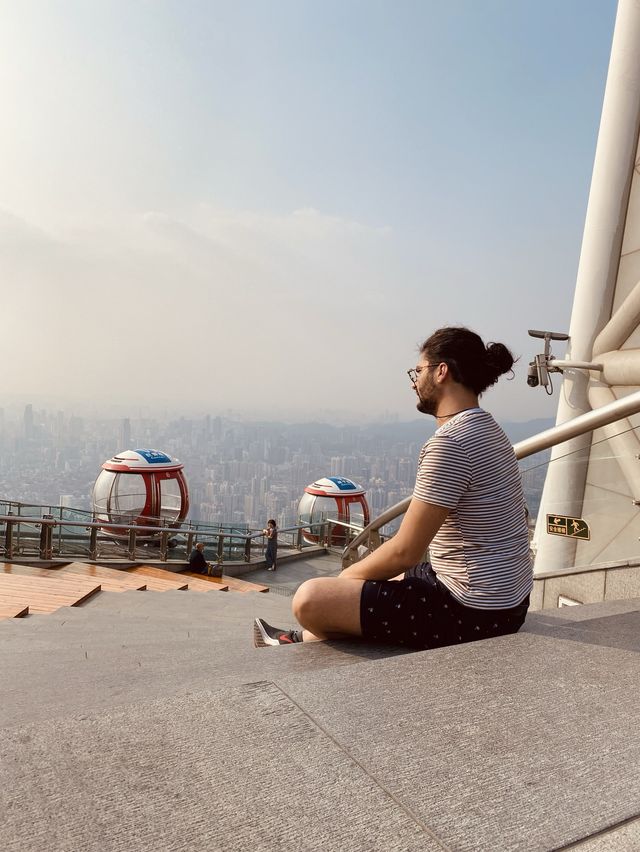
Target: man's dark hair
{"points": [[272, 522], [471, 363]]}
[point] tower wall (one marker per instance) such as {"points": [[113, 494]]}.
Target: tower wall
{"points": [[597, 477]]}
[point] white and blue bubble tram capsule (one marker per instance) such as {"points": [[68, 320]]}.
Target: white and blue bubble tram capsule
{"points": [[333, 498], [142, 487]]}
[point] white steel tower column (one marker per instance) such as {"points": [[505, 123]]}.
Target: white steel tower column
{"points": [[605, 320]]}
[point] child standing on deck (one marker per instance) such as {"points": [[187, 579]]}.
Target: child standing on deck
{"points": [[271, 532]]}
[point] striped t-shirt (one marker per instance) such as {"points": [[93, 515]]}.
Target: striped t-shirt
{"points": [[481, 552]]}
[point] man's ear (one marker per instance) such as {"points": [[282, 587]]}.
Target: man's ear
{"points": [[442, 371]]}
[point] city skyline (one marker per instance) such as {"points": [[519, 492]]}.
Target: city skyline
{"points": [[238, 472]]}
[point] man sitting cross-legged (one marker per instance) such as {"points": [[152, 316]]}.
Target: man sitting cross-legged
{"points": [[467, 508]]}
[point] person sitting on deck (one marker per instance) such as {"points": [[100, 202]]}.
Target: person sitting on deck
{"points": [[467, 507], [197, 563]]}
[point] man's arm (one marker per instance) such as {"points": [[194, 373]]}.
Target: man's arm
{"points": [[419, 525]]}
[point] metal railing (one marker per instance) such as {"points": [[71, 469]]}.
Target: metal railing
{"points": [[370, 538], [29, 536]]}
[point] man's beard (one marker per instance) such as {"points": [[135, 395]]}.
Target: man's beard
{"points": [[428, 400], [427, 406]]}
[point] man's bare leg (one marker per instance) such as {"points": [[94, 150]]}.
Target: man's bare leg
{"points": [[328, 608]]}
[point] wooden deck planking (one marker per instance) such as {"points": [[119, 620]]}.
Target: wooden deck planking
{"points": [[157, 579], [13, 610], [233, 583], [111, 579], [198, 583], [14, 569], [45, 594]]}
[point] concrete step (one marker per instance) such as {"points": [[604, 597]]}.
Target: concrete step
{"points": [[92, 659], [156, 633], [102, 630], [232, 583], [526, 742], [160, 619], [585, 612], [219, 771], [185, 604], [68, 677]]}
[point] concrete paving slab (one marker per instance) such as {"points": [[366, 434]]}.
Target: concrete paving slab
{"points": [[291, 574], [594, 610], [620, 631], [102, 629], [182, 604], [613, 631], [625, 838], [521, 742], [235, 770], [275, 609], [62, 678], [38, 620], [102, 632]]}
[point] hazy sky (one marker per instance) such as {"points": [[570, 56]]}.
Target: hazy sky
{"points": [[267, 205]]}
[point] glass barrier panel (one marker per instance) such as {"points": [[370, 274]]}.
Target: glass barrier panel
{"points": [[356, 515], [170, 499], [128, 496]]}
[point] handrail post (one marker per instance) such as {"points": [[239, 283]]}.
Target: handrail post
{"points": [[17, 535], [220, 547], [164, 545], [46, 537], [247, 549], [299, 539], [43, 541], [132, 544], [93, 543], [8, 539], [189, 543]]}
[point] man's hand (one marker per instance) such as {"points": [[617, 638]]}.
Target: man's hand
{"points": [[419, 525]]}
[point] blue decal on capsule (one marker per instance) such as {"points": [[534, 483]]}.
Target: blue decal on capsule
{"points": [[343, 484], [154, 456]]}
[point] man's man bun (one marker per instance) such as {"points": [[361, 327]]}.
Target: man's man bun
{"points": [[499, 360], [470, 362]]}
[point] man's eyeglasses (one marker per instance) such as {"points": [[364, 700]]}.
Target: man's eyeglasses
{"points": [[414, 373]]}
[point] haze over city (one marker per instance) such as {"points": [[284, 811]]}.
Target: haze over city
{"points": [[265, 207]]}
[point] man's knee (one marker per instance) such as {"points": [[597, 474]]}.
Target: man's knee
{"points": [[306, 599]]}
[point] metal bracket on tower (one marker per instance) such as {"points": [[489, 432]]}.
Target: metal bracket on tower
{"points": [[542, 365]]}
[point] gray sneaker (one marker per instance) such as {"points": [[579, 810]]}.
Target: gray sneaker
{"points": [[264, 634]]}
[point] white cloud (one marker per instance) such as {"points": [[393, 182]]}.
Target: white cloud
{"points": [[224, 308], [235, 308]]}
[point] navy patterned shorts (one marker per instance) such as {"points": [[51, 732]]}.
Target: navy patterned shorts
{"points": [[419, 611]]}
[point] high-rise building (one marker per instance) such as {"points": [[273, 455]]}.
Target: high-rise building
{"points": [[28, 422], [125, 434]]}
